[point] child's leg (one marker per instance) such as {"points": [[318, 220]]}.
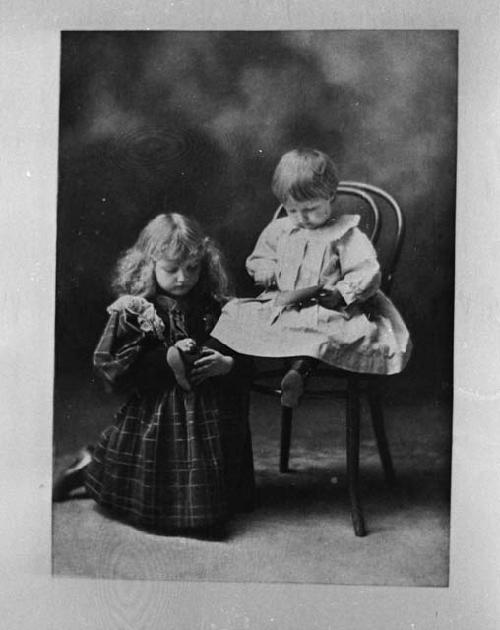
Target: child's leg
{"points": [[72, 477], [292, 384]]}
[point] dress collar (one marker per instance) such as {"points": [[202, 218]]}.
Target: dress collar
{"points": [[185, 303], [166, 302], [335, 228]]}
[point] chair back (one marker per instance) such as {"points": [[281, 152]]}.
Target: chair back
{"points": [[374, 199]]}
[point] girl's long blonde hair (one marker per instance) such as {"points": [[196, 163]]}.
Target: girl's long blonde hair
{"points": [[177, 237]]}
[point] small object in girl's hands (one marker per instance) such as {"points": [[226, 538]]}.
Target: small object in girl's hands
{"points": [[180, 362], [209, 362]]}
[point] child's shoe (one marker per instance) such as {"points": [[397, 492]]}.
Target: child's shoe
{"points": [[72, 477], [292, 384], [180, 363]]}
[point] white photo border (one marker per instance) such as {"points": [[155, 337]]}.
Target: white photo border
{"points": [[29, 596]]}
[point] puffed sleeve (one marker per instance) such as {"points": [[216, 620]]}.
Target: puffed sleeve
{"points": [[264, 256], [359, 267], [131, 351]]}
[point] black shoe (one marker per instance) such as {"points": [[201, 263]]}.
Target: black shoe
{"points": [[292, 384], [181, 363], [72, 477]]}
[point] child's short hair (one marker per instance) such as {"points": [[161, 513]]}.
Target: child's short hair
{"points": [[305, 174], [177, 237]]}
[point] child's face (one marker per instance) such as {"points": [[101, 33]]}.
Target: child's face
{"points": [[177, 277], [310, 214]]}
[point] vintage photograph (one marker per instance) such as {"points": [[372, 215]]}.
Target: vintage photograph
{"points": [[254, 306]]}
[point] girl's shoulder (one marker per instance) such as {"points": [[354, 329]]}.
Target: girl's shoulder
{"points": [[134, 304], [138, 311]]}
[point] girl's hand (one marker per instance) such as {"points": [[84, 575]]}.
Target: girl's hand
{"points": [[264, 277], [186, 345], [331, 299], [211, 363]]}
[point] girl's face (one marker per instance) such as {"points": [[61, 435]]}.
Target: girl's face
{"points": [[177, 277], [309, 214]]}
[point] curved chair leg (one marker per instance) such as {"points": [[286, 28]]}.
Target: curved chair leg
{"points": [[352, 452], [286, 435], [376, 409]]}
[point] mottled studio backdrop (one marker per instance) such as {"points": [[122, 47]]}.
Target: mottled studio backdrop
{"points": [[196, 121]]}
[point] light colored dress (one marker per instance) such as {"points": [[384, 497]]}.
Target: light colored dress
{"points": [[367, 334]]}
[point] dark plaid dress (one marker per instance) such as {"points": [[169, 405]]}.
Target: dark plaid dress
{"points": [[172, 461]]}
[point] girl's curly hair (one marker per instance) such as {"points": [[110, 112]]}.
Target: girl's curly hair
{"points": [[177, 237]]}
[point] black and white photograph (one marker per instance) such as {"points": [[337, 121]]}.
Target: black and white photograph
{"points": [[249, 376], [254, 306]]}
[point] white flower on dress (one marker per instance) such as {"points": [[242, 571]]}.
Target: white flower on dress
{"points": [[148, 319]]}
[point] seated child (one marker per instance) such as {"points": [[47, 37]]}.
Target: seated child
{"points": [[321, 278]]}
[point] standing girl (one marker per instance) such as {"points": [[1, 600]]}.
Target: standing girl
{"points": [[177, 459], [321, 279]]}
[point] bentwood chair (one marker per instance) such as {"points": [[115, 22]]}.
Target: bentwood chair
{"points": [[346, 385]]}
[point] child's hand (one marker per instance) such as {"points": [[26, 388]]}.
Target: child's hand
{"points": [[330, 298], [211, 363], [186, 345], [264, 277]]}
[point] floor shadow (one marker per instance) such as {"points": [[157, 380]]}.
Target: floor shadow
{"points": [[318, 492]]}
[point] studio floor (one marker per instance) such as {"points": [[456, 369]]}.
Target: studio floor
{"points": [[301, 530]]}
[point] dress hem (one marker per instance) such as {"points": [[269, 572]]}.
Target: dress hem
{"points": [[364, 364]]}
